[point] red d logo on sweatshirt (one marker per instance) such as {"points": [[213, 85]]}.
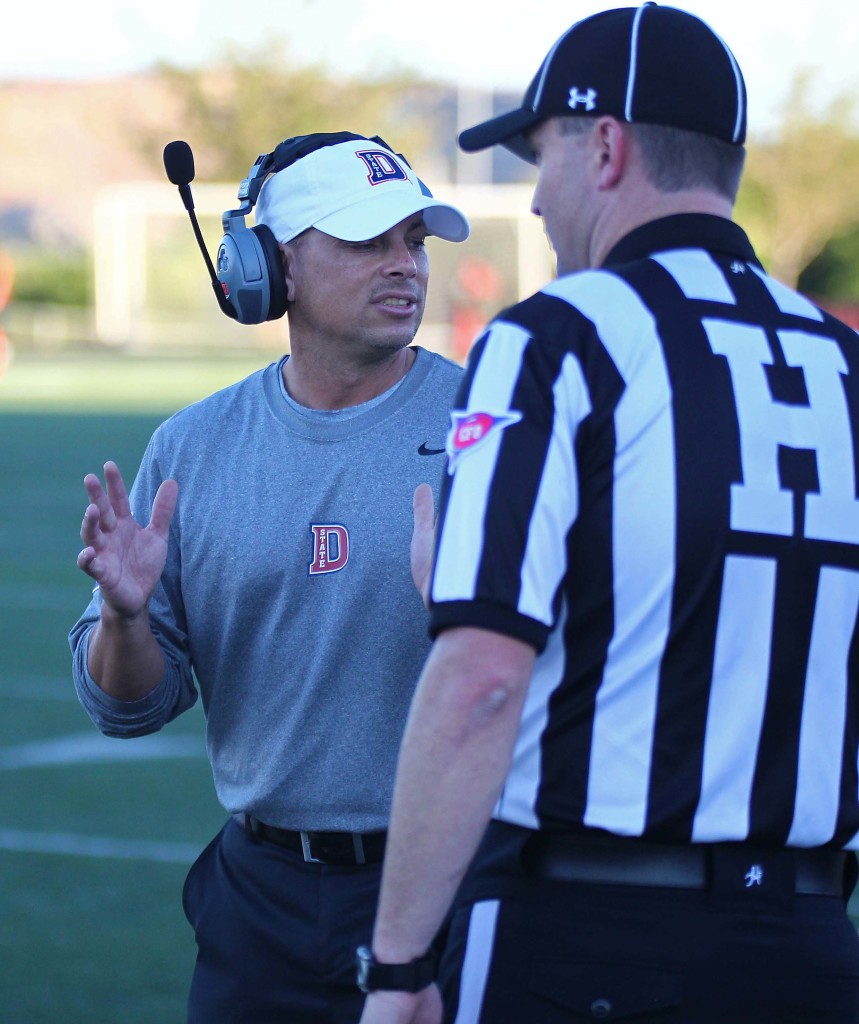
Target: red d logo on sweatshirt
{"points": [[330, 548]]}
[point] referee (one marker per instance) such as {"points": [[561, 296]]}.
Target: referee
{"points": [[643, 695]]}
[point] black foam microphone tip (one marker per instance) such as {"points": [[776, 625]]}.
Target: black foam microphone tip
{"points": [[179, 163]]}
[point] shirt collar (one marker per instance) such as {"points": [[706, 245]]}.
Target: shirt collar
{"points": [[683, 231]]}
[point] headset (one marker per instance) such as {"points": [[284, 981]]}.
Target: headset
{"points": [[249, 282]]}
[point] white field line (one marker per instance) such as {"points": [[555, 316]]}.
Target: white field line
{"points": [[39, 688], [22, 841], [53, 597], [93, 748]]}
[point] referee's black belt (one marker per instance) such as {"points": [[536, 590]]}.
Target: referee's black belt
{"points": [[628, 861], [336, 848]]}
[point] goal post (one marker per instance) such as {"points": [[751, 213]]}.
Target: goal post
{"points": [[152, 288]]}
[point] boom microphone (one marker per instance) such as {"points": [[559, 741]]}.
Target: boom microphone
{"points": [[179, 165]]}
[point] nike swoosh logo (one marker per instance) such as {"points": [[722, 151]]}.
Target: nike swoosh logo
{"points": [[423, 450]]}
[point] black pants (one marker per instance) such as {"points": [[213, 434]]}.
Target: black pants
{"points": [[550, 952], [276, 936]]}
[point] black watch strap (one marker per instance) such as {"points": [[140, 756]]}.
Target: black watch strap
{"points": [[411, 977]]}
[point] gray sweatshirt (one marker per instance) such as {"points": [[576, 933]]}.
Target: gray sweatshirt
{"points": [[287, 598]]}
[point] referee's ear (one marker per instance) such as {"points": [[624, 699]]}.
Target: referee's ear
{"points": [[610, 151]]}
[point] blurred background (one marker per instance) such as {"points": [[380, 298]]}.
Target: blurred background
{"points": [[108, 325]]}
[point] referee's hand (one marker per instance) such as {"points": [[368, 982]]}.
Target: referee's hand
{"points": [[422, 1007]]}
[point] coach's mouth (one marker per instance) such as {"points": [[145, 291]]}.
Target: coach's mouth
{"points": [[398, 304]]}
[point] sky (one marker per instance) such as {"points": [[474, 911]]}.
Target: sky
{"points": [[464, 41]]}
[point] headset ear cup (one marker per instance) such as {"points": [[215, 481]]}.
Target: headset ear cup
{"points": [[276, 274], [244, 275]]}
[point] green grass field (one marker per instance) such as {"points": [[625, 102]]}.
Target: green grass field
{"points": [[96, 835]]}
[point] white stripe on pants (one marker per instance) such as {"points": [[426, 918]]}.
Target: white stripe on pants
{"points": [[477, 961]]}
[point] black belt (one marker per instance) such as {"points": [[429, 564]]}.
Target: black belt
{"points": [[338, 848], [622, 861]]}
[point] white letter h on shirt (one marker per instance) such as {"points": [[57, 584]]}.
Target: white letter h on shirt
{"points": [[759, 504]]}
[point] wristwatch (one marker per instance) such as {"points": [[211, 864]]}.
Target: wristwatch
{"points": [[410, 977]]}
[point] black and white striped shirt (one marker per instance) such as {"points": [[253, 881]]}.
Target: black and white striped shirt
{"points": [[652, 480]]}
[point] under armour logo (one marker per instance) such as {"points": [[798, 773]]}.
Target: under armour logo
{"points": [[738, 268], [754, 876], [589, 98]]}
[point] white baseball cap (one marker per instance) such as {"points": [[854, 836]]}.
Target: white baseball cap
{"points": [[354, 190]]}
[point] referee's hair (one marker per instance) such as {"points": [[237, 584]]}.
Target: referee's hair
{"points": [[675, 159]]}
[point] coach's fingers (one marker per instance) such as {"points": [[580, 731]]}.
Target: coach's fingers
{"points": [[85, 560], [424, 510], [91, 525], [163, 507], [423, 539], [89, 562], [99, 501], [116, 490]]}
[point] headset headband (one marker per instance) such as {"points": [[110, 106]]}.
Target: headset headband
{"points": [[285, 154]]}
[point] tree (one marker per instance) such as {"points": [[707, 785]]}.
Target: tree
{"points": [[834, 274], [799, 189], [246, 101]]}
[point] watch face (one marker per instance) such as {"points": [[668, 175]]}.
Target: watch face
{"points": [[365, 959], [410, 977]]}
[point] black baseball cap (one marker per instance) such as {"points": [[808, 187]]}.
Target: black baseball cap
{"points": [[648, 64]]}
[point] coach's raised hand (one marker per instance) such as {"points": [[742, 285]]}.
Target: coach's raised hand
{"points": [[126, 560]]}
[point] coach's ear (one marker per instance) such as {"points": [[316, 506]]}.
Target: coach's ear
{"points": [[288, 254]]}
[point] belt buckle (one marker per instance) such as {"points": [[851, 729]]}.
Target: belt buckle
{"points": [[307, 850]]}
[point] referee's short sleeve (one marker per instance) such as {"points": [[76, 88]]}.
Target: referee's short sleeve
{"points": [[493, 617]]}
